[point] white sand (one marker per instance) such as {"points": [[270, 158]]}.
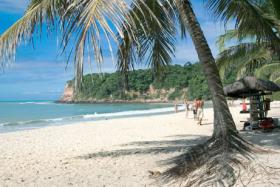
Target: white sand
{"points": [[117, 152]]}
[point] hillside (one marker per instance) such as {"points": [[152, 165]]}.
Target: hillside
{"points": [[178, 82]]}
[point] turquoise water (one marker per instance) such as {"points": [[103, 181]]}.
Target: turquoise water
{"points": [[25, 115]]}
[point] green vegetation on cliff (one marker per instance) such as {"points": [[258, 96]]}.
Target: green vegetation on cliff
{"points": [[178, 82]]}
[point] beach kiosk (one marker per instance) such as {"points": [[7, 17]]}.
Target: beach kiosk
{"points": [[256, 90]]}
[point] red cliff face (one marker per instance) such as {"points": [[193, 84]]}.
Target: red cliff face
{"points": [[68, 94]]}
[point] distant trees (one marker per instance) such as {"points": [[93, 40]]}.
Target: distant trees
{"points": [[110, 85]]}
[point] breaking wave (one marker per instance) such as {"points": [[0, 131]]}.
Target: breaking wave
{"points": [[86, 117]]}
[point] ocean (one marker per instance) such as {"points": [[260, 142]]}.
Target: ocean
{"points": [[24, 115]]}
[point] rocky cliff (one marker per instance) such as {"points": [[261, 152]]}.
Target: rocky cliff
{"points": [[68, 94]]}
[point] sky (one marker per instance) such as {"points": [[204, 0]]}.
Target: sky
{"points": [[40, 73]]}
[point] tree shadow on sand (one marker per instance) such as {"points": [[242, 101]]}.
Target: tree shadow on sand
{"points": [[179, 143], [268, 139]]}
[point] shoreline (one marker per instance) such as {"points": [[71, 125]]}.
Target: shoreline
{"points": [[115, 102], [83, 118]]}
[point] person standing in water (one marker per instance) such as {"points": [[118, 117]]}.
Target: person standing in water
{"points": [[200, 114]]}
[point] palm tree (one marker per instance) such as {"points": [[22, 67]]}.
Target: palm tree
{"points": [[220, 152]]}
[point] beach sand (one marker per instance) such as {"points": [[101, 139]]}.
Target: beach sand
{"points": [[116, 152]]}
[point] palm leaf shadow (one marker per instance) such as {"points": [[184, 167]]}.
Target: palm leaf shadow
{"points": [[271, 139], [180, 144]]}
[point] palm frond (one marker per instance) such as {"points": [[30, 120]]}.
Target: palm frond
{"points": [[155, 44], [249, 67], [275, 75], [276, 5], [246, 56], [250, 18], [82, 21], [126, 57], [89, 20], [22, 31], [270, 71], [277, 80], [231, 35]]}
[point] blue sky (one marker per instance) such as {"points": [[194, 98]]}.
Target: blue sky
{"points": [[39, 73]]}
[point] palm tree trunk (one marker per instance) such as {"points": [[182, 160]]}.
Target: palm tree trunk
{"points": [[223, 121]]}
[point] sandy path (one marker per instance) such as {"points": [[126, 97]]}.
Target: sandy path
{"points": [[117, 152]]}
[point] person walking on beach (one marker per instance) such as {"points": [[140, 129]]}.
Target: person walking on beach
{"points": [[199, 106], [194, 109], [176, 106], [187, 105]]}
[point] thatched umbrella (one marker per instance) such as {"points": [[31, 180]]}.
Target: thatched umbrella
{"points": [[249, 86]]}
